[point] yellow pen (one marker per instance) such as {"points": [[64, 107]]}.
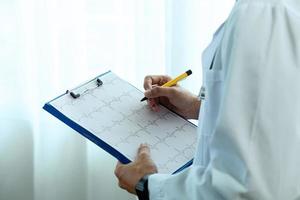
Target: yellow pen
{"points": [[174, 81]]}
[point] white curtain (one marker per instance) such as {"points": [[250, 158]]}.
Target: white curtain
{"points": [[49, 46]]}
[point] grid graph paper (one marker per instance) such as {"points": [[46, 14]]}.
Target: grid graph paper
{"points": [[113, 113]]}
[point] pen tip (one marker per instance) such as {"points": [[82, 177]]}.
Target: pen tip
{"points": [[189, 72]]}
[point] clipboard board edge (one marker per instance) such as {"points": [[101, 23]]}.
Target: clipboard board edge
{"points": [[186, 165], [88, 135]]}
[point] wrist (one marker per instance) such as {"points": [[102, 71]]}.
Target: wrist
{"points": [[141, 188]]}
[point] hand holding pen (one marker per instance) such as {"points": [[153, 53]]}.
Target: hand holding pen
{"points": [[161, 89]]}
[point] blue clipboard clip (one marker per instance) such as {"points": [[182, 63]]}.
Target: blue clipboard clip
{"points": [[77, 95]]}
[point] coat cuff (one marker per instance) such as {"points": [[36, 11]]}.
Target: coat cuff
{"points": [[156, 184]]}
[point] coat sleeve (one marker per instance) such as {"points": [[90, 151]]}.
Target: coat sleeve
{"points": [[254, 150]]}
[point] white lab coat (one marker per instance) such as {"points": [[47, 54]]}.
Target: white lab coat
{"points": [[249, 133]]}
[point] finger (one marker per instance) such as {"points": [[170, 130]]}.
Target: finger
{"points": [[118, 168], [156, 105], [121, 185], [143, 151], [143, 147], [149, 81], [154, 102], [152, 80], [160, 92], [151, 103], [166, 79], [156, 109]]}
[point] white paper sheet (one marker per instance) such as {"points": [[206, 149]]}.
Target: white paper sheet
{"points": [[113, 112]]}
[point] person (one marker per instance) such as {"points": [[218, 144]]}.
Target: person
{"points": [[249, 121]]}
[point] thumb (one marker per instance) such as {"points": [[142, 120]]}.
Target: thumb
{"points": [[144, 158], [143, 152], [160, 92]]}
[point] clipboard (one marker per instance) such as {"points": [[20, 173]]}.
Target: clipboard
{"points": [[107, 111]]}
